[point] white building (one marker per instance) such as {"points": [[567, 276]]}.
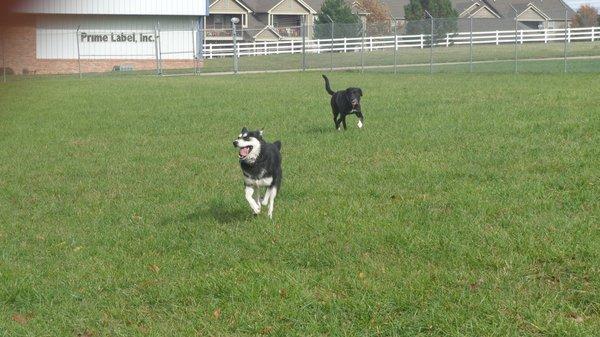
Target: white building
{"points": [[52, 35]]}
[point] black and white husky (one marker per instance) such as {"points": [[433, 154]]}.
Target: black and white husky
{"points": [[261, 166]]}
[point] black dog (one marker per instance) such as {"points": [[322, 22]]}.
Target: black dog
{"points": [[343, 103], [261, 166]]}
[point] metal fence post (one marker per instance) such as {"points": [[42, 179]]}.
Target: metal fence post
{"points": [[362, 47], [566, 30], [160, 68], [471, 44], [331, 51], [516, 49], [78, 52], [395, 46], [156, 52], [516, 38], [431, 49], [2, 33], [234, 20], [194, 49], [303, 43], [200, 51], [430, 44]]}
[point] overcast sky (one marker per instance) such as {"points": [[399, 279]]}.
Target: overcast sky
{"points": [[575, 4]]}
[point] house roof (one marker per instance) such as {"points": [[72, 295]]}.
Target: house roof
{"points": [[396, 7], [263, 6], [267, 28], [240, 2], [553, 9]]}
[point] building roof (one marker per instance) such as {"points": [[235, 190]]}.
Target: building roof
{"points": [[553, 9], [263, 6], [115, 7], [239, 2], [396, 7]]}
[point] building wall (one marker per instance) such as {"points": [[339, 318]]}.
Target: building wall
{"points": [[45, 45], [287, 20], [266, 35], [223, 21], [18, 45], [289, 7], [557, 24], [227, 6], [483, 13], [530, 15], [102, 36]]}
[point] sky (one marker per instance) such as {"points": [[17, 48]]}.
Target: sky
{"points": [[575, 4]]}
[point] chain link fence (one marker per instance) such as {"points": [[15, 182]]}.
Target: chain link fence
{"points": [[425, 46]]}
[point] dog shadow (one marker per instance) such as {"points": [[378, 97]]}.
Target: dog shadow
{"points": [[219, 211], [319, 129]]}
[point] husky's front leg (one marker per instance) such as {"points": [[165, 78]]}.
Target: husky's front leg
{"points": [[257, 196], [253, 204], [265, 199], [272, 195]]}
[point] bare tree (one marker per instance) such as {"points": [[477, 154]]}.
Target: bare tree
{"points": [[586, 16], [378, 16], [377, 11]]}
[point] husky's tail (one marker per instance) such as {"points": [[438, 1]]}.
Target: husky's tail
{"points": [[327, 87], [278, 145]]}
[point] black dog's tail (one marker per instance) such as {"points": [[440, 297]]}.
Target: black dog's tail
{"points": [[327, 87], [277, 145]]}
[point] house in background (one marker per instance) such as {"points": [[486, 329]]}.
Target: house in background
{"points": [[476, 9], [534, 14], [531, 14], [217, 26], [259, 20], [269, 20]]}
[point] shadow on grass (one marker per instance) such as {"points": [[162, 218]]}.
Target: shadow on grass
{"points": [[219, 211], [320, 129], [216, 210]]}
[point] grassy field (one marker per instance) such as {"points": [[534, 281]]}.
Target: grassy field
{"points": [[468, 206]]}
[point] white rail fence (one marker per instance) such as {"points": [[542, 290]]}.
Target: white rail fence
{"points": [[372, 43]]}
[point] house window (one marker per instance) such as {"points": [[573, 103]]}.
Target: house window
{"points": [[287, 20]]}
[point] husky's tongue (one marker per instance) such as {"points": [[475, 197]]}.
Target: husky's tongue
{"points": [[244, 151]]}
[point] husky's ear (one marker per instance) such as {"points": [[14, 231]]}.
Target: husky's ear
{"points": [[261, 132], [244, 130], [360, 92]]}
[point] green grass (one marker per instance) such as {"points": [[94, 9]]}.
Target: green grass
{"points": [[468, 206]]}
